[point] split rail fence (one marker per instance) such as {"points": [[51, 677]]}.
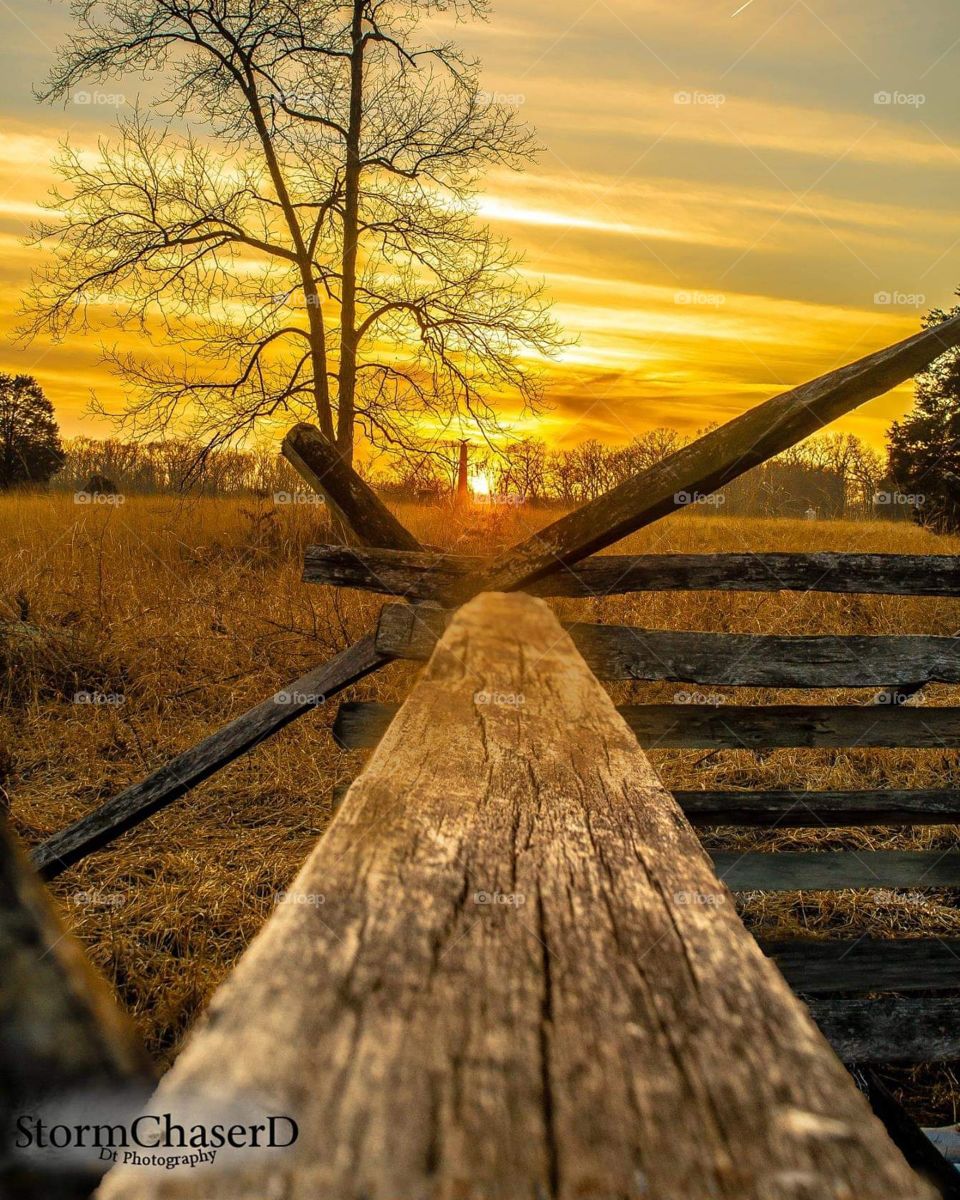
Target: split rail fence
{"points": [[601, 1036]]}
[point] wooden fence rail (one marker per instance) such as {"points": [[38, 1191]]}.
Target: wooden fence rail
{"points": [[360, 725], [176, 777], [417, 575], [525, 980], [620, 652]]}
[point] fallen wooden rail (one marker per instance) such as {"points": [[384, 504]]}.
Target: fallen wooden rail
{"points": [[186, 770], [415, 575], [360, 725], [620, 652], [520, 985]]}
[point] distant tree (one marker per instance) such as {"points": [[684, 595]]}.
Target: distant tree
{"points": [[30, 449], [297, 225], [522, 469], [924, 448]]}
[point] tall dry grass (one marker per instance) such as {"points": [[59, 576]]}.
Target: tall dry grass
{"points": [[192, 610]]}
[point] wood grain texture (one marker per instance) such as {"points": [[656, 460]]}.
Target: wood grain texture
{"points": [[360, 725], [801, 809], [60, 1028], [855, 966], [626, 652], [831, 870], [356, 504], [186, 770], [502, 996], [711, 461], [812, 726], [891, 1029], [420, 576]]}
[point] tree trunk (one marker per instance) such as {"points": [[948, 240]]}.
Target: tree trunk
{"points": [[347, 380]]}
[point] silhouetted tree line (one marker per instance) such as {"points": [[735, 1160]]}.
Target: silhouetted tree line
{"points": [[834, 475], [172, 466], [831, 476]]}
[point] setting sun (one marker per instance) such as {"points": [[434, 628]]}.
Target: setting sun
{"points": [[480, 484]]}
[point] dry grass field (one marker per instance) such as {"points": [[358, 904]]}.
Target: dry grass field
{"points": [[185, 612]]}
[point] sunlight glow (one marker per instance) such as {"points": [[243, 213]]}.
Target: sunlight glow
{"points": [[480, 484]]}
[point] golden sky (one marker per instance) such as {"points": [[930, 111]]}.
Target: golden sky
{"points": [[732, 197]]}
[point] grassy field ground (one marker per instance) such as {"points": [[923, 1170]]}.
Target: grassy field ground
{"points": [[179, 614]]}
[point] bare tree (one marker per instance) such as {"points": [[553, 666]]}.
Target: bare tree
{"points": [[295, 217], [522, 469]]}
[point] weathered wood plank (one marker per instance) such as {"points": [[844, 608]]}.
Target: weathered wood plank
{"points": [[354, 501], [60, 1029], [422, 576], [360, 725], [813, 726], [186, 770], [621, 652], [711, 461], [836, 869], [891, 1029], [504, 994], [860, 965], [800, 809]]}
